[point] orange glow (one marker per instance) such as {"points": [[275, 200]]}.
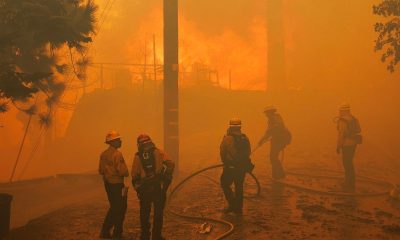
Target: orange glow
{"points": [[325, 54], [228, 51]]}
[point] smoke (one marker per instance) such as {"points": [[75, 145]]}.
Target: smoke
{"points": [[210, 34], [329, 59], [213, 18]]}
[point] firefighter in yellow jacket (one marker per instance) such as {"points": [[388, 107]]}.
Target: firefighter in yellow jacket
{"points": [[151, 176], [349, 135], [113, 169], [235, 155], [280, 137]]}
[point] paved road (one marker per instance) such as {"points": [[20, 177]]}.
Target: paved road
{"points": [[279, 213]]}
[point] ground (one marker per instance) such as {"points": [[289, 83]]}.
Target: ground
{"points": [[278, 213]]}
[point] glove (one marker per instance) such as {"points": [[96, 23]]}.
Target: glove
{"points": [[247, 166], [338, 150], [139, 192], [166, 183], [138, 188], [250, 167]]}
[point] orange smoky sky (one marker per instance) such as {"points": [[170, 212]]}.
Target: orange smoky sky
{"points": [[205, 38], [329, 47]]}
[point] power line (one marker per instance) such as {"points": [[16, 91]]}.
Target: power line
{"points": [[102, 19], [33, 152], [125, 64], [21, 146], [103, 16], [104, 10]]}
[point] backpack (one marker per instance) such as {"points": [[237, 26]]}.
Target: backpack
{"points": [[354, 126], [148, 161], [353, 129], [282, 134], [286, 137], [242, 146]]}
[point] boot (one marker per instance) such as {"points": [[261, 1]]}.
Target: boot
{"points": [[228, 210], [105, 235], [238, 212], [159, 238], [117, 234]]}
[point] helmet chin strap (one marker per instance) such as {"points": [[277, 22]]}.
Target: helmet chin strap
{"points": [[146, 155], [146, 148]]}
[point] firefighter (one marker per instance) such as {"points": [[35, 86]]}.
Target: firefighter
{"points": [[280, 137], [113, 169], [348, 137], [151, 176], [235, 155]]}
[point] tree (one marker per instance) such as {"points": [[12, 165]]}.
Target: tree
{"points": [[33, 32], [388, 39]]}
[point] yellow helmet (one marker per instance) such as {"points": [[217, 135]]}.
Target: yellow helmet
{"points": [[235, 122], [112, 135], [270, 108], [344, 107]]}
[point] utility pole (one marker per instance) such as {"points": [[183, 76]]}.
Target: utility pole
{"points": [[145, 63], [171, 70], [84, 86], [101, 77], [154, 59], [230, 80], [276, 46]]}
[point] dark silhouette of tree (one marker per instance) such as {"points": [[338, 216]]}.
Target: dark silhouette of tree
{"points": [[32, 34], [389, 32]]}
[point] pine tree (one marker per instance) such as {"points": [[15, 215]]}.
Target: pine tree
{"points": [[32, 32], [389, 32]]}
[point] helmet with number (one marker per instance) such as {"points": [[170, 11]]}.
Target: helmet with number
{"points": [[112, 135], [235, 122]]}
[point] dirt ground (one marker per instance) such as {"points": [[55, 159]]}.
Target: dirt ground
{"points": [[278, 213]]}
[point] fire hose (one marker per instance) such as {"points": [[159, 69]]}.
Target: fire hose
{"points": [[298, 187], [331, 193], [224, 222], [336, 193]]}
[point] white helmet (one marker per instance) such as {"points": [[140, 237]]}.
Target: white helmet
{"points": [[112, 135]]}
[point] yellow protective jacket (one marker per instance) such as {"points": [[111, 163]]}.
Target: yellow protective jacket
{"points": [[163, 166], [112, 166], [343, 132]]}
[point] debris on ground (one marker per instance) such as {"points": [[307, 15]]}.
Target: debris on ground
{"points": [[205, 228]]}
